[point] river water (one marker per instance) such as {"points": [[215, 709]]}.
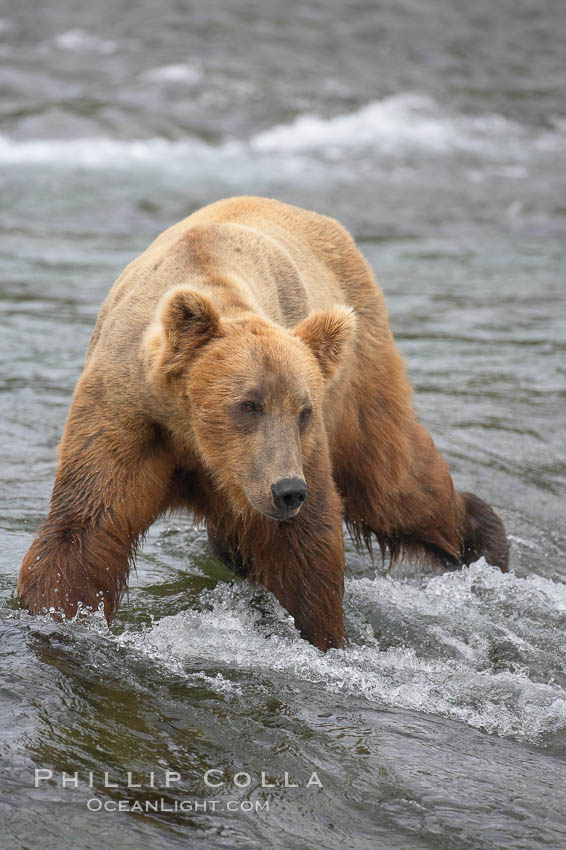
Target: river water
{"points": [[436, 131]]}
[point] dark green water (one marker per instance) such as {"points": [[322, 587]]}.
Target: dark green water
{"points": [[436, 131]]}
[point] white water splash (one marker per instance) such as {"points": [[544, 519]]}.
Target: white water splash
{"points": [[475, 646], [405, 121], [81, 41], [397, 126], [179, 72]]}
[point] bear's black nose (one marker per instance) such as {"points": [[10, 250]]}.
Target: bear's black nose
{"points": [[289, 494]]}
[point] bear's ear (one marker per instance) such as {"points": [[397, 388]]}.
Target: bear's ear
{"points": [[186, 321], [327, 335]]}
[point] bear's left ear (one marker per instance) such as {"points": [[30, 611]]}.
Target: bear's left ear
{"points": [[186, 321], [327, 335]]}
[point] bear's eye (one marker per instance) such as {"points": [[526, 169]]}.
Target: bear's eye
{"points": [[249, 407], [305, 414]]}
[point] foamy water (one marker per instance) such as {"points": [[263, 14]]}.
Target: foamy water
{"points": [[393, 127], [81, 41], [466, 645]]}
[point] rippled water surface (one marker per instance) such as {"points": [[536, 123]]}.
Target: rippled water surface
{"points": [[435, 131]]}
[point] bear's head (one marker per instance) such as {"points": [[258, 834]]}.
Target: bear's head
{"points": [[249, 393]]}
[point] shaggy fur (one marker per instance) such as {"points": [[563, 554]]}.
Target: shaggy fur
{"points": [[247, 345]]}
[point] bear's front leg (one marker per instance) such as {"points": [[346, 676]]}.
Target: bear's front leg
{"points": [[108, 489], [301, 561]]}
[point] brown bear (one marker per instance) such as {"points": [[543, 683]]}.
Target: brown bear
{"points": [[243, 368]]}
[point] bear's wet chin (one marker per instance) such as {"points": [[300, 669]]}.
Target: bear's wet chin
{"points": [[274, 514], [283, 515]]}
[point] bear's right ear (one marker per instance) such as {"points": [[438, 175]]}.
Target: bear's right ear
{"points": [[186, 321], [328, 335]]}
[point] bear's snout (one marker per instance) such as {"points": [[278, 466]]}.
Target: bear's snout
{"points": [[288, 496]]}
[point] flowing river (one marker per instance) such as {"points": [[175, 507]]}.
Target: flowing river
{"points": [[436, 132]]}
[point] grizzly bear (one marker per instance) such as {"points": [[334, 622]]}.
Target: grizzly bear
{"points": [[242, 368]]}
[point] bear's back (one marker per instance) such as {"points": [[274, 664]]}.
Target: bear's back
{"points": [[285, 261]]}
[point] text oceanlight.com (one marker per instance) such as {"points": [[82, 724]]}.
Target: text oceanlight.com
{"points": [[97, 805]]}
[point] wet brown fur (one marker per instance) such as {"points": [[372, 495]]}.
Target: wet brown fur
{"points": [[244, 297]]}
